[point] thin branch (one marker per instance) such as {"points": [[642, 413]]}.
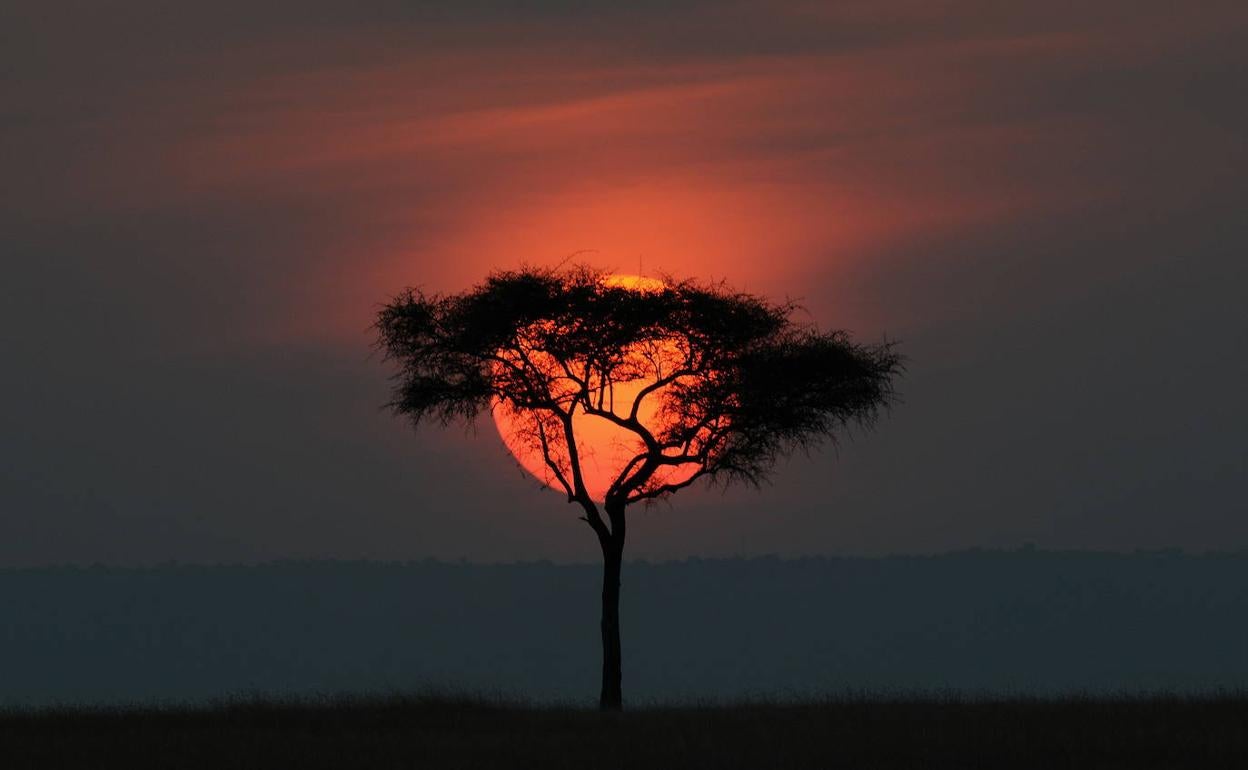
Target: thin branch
{"points": [[652, 387], [550, 461], [627, 423], [667, 489]]}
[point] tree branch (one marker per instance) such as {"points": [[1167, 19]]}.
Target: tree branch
{"points": [[627, 423], [666, 489], [652, 387], [550, 461]]}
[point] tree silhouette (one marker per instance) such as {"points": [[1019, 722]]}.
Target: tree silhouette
{"points": [[712, 383]]}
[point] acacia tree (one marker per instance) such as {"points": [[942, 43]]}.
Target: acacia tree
{"points": [[706, 381]]}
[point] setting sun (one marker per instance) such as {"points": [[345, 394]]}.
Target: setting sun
{"points": [[604, 449]]}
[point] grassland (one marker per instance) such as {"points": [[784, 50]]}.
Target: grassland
{"points": [[1134, 732]]}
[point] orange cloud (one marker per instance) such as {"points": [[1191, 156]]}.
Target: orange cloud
{"points": [[436, 165]]}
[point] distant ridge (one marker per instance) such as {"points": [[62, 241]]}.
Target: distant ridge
{"points": [[1022, 620]]}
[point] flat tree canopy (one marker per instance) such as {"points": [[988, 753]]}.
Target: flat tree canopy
{"points": [[738, 382]]}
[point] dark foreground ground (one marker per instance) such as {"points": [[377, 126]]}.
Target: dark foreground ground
{"points": [[437, 732]]}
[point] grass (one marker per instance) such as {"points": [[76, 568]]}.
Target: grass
{"points": [[434, 731]]}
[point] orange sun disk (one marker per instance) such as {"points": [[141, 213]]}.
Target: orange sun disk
{"points": [[603, 447]]}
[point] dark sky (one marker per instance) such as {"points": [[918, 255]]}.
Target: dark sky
{"points": [[202, 208]]}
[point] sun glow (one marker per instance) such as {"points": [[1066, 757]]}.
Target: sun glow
{"points": [[603, 448]]}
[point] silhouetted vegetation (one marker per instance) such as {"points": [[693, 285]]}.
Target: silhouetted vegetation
{"points": [[934, 731], [738, 384]]}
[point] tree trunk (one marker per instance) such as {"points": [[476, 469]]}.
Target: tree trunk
{"points": [[612, 555]]}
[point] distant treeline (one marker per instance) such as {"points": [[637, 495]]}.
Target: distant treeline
{"points": [[1004, 621]]}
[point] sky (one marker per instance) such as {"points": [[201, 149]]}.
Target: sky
{"points": [[204, 206]]}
